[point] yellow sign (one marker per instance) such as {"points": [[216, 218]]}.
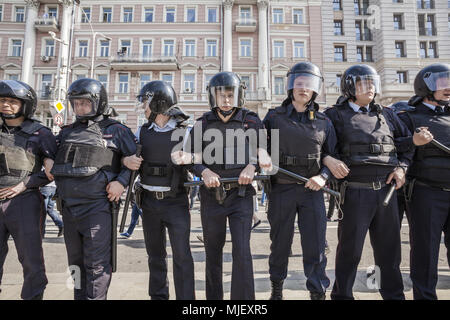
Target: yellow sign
{"points": [[59, 106]]}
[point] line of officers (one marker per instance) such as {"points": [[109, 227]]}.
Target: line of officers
{"points": [[359, 145]]}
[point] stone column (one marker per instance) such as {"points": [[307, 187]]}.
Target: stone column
{"points": [[263, 52], [29, 46], [227, 36], [66, 22]]}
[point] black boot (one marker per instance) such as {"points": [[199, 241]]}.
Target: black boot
{"points": [[317, 295], [277, 290], [39, 296]]}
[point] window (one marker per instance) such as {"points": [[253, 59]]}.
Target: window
{"points": [[279, 86], [145, 78], [245, 15], [277, 16], [337, 6], [357, 7], [103, 78], [16, 50], [128, 15], [107, 15], [190, 14], [188, 83], [398, 22], [400, 49], [207, 79], [423, 49], [13, 76], [20, 14], [168, 78], [402, 77], [148, 14], [170, 14], [48, 120], [338, 31], [297, 15], [338, 80], [339, 54], [246, 81], [212, 15], [85, 15], [299, 49], [211, 48], [104, 48], [169, 46], [189, 48], [1, 12], [359, 54], [358, 30], [147, 48], [245, 48], [369, 55], [430, 30], [123, 82], [52, 12], [46, 83], [278, 49], [425, 4], [432, 49], [82, 48], [125, 47]]}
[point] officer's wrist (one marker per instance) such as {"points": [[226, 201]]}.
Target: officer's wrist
{"points": [[324, 176]]}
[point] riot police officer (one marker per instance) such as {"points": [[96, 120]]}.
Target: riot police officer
{"points": [[90, 178], [163, 198], [227, 122], [367, 136], [25, 145], [429, 176], [306, 136]]}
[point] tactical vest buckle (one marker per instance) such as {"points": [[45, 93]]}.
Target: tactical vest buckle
{"points": [[227, 186], [376, 185], [159, 195], [376, 148]]}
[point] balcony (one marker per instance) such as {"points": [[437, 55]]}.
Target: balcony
{"points": [[428, 31], [246, 25], [46, 94], [143, 63], [46, 24]]}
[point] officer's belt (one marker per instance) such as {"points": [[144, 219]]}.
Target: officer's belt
{"points": [[374, 148], [420, 183], [231, 185], [149, 170], [160, 195], [297, 161], [87, 156], [376, 185]]}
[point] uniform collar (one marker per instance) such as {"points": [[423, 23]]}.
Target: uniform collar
{"points": [[171, 124], [356, 107], [432, 107], [237, 116]]}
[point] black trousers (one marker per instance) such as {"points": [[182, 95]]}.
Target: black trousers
{"points": [[171, 214], [23, 217], [239, 212], [430, 217], [286, 201], [88, 245], [364, 211]]}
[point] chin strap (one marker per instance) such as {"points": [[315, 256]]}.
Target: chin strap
{"points": [[439, 102], [225, 113]]}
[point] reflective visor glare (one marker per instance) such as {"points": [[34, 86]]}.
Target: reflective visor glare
{"points": [[82, 107], [304, 81], [365, 84], [438, 81], [16, 87], [225, 96]]}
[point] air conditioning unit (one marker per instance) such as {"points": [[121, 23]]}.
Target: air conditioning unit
{"points": [[188, 90], [45, 58]]}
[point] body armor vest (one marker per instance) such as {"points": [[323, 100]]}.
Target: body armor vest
{"points": [[83, 152], [157, 169], [365, 139], [430, 164], [300, 143], [16, 163], [236, 149]]}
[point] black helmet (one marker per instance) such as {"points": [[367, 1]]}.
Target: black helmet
{"points": [[226, 81], [94, 91], [359, 72], [311, 73], [159, 94], [426, 81], [22, 91], [401, 106]]}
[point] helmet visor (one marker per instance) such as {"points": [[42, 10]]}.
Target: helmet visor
{"points": [[225, 96], [83, 107], [143, 102], [366, 83], [304, 81], [17, 88], [437, 81]]}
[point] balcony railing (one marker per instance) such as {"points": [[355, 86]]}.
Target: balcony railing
{"points": [[46, 94], [427, 31], [246, 25], [46, 24], [143, 62]]}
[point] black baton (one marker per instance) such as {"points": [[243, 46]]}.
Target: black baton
{"points": [[437, 143], [224, 180], [389, 194]]}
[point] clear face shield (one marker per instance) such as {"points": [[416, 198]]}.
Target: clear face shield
{"points": [[367, 83], [437, 81], [143, 102], [225, 97], [83, 107], [304, 81]]}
